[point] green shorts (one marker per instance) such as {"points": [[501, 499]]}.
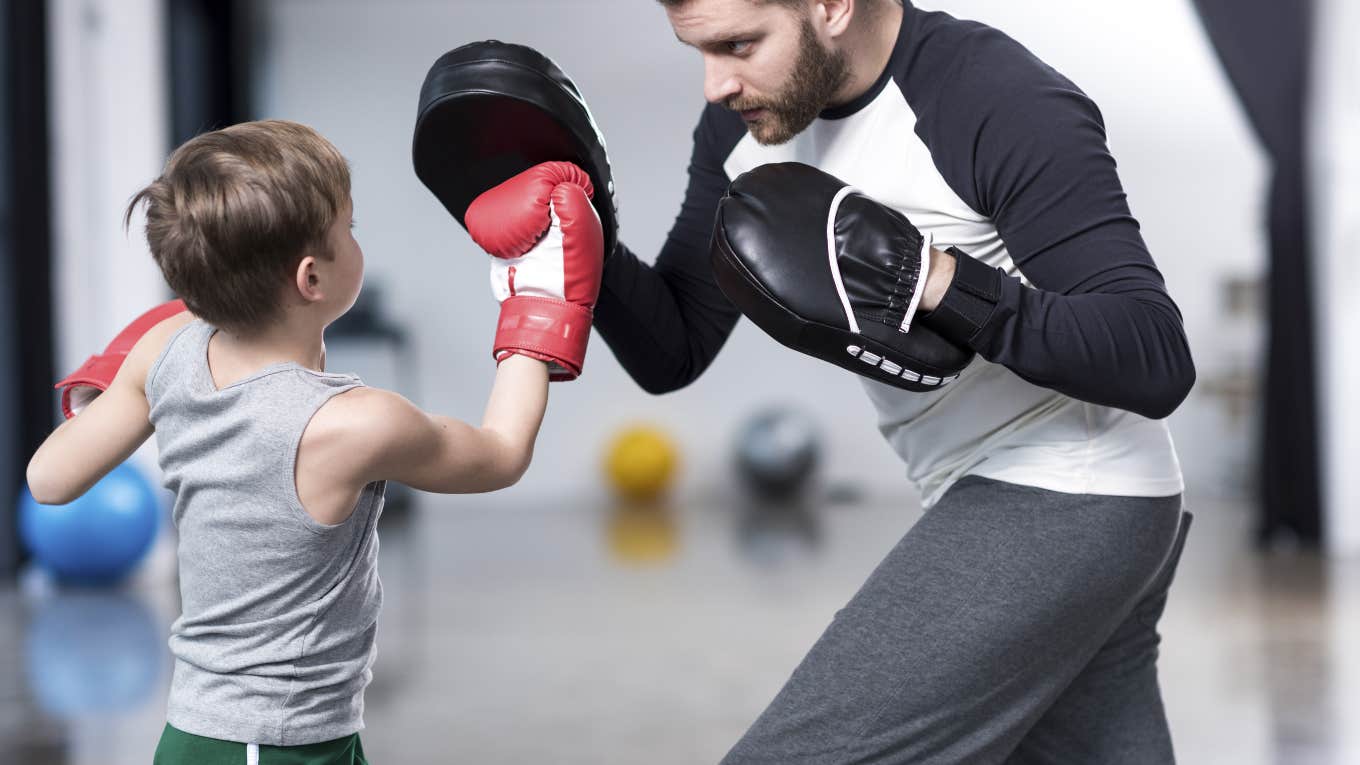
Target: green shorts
{"points": [[179, 748]]}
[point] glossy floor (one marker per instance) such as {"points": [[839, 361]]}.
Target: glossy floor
{"points": [[526, 630]]}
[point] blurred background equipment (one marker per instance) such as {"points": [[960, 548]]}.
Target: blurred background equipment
{"points": [[640, 463], [777, 452], [98, 538]]}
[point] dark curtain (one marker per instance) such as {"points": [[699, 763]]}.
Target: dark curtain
{"points": [[1264, 47], [209, 65], [26, 400]]}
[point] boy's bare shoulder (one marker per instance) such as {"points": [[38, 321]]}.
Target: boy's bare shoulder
{"points": [[363, 423], [359, 434], [149, 346], [367, 410]]}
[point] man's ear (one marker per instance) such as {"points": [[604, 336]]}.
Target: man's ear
{"points": [[834, 15]]}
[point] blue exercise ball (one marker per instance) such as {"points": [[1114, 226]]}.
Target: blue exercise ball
{"points": [[99, 537]]}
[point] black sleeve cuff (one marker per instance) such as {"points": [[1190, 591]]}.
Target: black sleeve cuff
{"points": [[969, 302]]}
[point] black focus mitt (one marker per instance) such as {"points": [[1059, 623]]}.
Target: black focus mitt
{"points": [[827, 271], [491, 110]]}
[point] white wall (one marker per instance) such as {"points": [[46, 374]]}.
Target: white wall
{"points": [[1335, 186], [109, 139], [353, 69]]}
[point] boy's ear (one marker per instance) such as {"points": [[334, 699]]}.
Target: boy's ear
{"points": [[307, 280]]}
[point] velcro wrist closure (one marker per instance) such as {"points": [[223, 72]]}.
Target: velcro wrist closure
{"points": [[970, 300], [549, 330]]}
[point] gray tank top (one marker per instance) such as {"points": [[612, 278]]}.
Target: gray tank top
{"points": [[275, 642]]}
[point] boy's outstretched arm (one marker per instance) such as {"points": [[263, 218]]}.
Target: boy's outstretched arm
{"points": [[86, 447], [546, 243], [384, 436]]}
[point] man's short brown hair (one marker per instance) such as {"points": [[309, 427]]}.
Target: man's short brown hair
{"points": [[797, 5], [234, 212], [794, 4]]}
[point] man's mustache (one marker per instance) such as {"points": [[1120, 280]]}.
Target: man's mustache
{"points": [[741, 106]]}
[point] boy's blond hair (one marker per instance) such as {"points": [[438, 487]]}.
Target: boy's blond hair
{"points": [[234, 212]]}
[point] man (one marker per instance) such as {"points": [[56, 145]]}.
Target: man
{"points": [[1016, 621]]}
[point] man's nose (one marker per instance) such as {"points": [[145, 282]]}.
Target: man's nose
{"points": [[720, 82]]}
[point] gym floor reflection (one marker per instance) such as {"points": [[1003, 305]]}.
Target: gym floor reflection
{"points": [[523, 629]]}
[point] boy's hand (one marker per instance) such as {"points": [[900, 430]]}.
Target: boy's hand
{"points": [[548, 247]]}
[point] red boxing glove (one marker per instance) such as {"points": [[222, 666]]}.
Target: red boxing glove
{"points": [[94, 376], [548, 249]]}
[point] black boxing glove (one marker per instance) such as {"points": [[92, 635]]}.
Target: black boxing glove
{"points": [[829, 272]]}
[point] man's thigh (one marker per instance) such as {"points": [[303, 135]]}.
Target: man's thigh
{"points": [[969, 629], [1112, 712]]}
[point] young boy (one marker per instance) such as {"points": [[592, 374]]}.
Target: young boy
{"points": [[278, 466]]}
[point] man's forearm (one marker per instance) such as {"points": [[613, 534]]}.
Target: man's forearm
{"points": [[1123, 346], [665, 326]]}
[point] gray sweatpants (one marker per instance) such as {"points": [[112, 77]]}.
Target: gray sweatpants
{"points": [[1010, 625]]}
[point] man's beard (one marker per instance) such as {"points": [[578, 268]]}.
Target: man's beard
{"points": [[817, 75]]}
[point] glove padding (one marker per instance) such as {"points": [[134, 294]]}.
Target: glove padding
{"points": [[93, 377], [547, 251], [829, 272]]}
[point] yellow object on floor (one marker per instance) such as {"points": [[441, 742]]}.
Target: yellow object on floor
{"points": [[640, 463]]}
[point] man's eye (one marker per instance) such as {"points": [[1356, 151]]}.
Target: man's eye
{"points": [[738, 47]]}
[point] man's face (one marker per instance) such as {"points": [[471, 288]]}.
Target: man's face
{"points": [[762, 60]]}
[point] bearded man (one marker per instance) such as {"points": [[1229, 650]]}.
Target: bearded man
{"points": [[1016, 621]]}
